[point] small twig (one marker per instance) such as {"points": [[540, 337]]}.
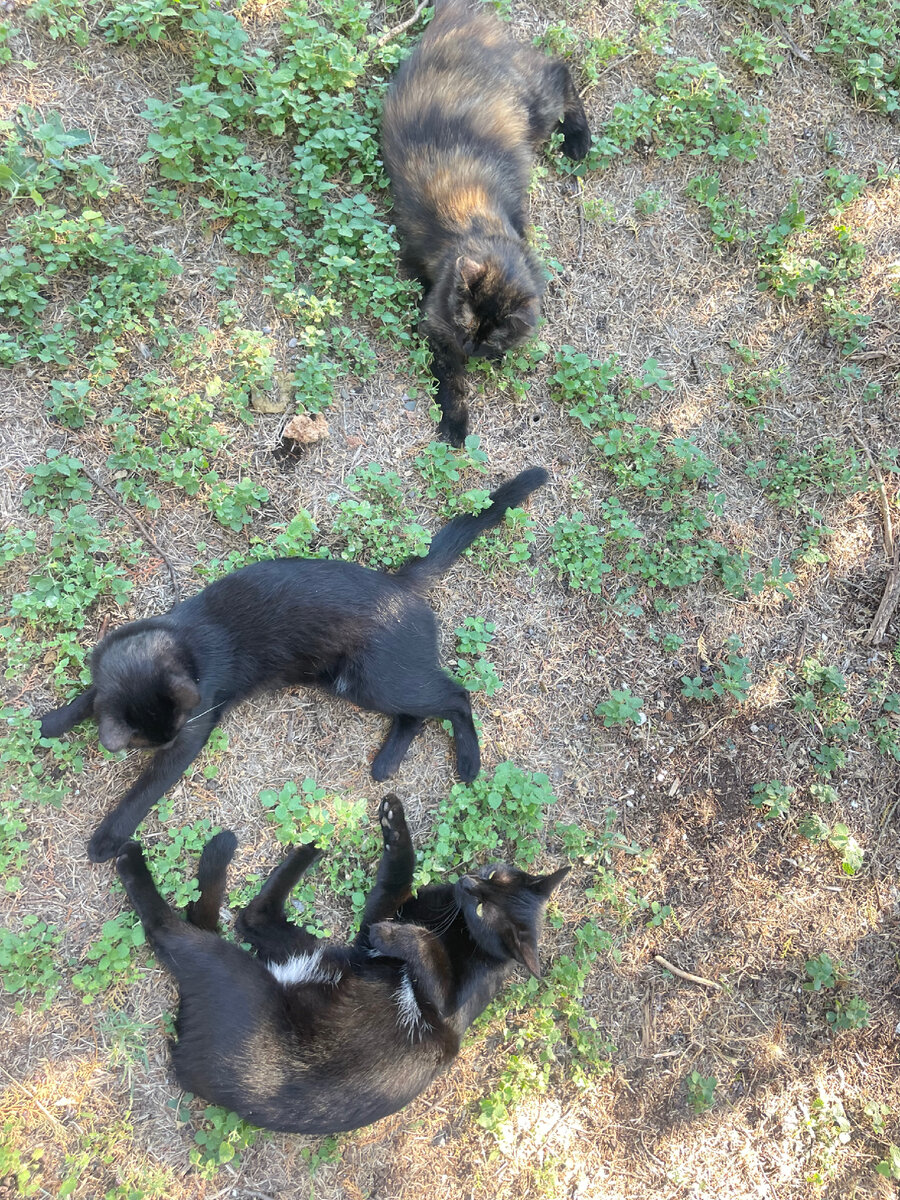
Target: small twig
{"points": [[788, 40], [580, 204], [710, 983], [402, 27], [801, 645], [889, 602], [883, 503], [721, 721], [139, 525]]}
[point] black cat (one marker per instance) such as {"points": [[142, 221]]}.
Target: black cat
{"points": [[312, 1037], [357, 633], [462, 120]]}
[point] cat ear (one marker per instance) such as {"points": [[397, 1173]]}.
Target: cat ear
{"points": [[546, 885], [524, 948], [114, 734], [470, 272], [184, 692], [521, 322]]}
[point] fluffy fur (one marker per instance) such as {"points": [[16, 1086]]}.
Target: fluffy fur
{"points": [[311, 1037], [360, 634], [462, 120]]}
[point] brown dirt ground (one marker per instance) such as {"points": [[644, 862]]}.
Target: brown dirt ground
{"points": [[752, 900]]}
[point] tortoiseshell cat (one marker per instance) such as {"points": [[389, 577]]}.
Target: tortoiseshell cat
{"points": [[462, 120], [312, 1037], [360, 634]]}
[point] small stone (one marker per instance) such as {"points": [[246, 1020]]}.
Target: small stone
{"points": [[263, 401], [306, 429], [410, 406], [292, 342]]}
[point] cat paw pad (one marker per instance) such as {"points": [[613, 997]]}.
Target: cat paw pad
{"points": [[390, 816]]}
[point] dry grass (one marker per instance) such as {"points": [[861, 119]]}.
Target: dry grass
{"points": [[752, 900]]}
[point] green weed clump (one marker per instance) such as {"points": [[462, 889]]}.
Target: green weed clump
{"points": [[27, 960], [110, 959], [501, 814], [695, 110], [552, 1034], [375, 524], [668, 478], [473, 670], [825, 975], [622, 707], [862, 41], [729, 677]]}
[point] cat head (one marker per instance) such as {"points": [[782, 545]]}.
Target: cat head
{"points": [[503, 908], [495, 301], [145, 691]]}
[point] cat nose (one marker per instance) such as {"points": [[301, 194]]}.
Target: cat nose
{"points": [[469, 885]]}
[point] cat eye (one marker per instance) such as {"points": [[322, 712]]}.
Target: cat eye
{"points": [[479, 910]]}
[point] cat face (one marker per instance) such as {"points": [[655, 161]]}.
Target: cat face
{"points": [[503, 907], [144, 694], [497, 306]]}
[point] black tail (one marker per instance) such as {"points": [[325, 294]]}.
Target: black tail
{"points": [[449, 543], [217, 854]]}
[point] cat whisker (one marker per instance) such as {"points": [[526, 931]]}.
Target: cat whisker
{"points": [[197, 716], [445, 922]]}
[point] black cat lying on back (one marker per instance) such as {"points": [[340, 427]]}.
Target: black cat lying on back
{"points": [[310, 1037], [357, 633], [462, 120]]}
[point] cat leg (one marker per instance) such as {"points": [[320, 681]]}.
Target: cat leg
{"points": [[413, 693], [165, 769], [60, 720], [468, 751], [263, 923], [211, 878], [393, 884], [574, 125], [449, 369], [425, 959], [388, 759], [162, 925]]}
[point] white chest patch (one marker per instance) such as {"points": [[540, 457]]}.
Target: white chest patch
{"points": [[409, 1015], [305, 968]]}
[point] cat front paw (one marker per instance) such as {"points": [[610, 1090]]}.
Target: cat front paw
{"points": [[383, 937], [453, 431], [106, 842], [468, 765], [129, 857], [393, 822], [576, 141]]}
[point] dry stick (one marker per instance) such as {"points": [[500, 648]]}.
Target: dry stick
{"points": [[789, 41], [580, 202], [801, 644], [883, 504], [139, 525], [710, 983], [402, 27], [889, 602]]}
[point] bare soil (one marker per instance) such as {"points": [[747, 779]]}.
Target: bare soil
{"points": [[752, 900]]}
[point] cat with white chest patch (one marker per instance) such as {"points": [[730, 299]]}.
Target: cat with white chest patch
{"points": [[306, 1036]]}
